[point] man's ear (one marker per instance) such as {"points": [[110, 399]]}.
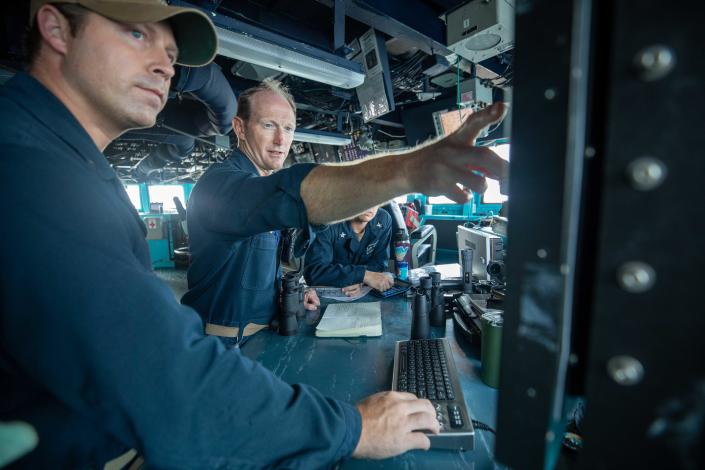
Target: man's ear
{"points": [[53, 28], [239, 128]]}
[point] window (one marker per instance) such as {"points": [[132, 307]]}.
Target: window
{"points": [[165, 194], [133, 192], [439, 200], [492, 195]]}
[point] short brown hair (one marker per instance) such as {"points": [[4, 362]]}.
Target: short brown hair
{"points": [[74, 14], [244, 101]]}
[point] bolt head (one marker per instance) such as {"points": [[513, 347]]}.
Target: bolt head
{"points": [[636, 277], [654, 62], [646, 173], [625, 370]]}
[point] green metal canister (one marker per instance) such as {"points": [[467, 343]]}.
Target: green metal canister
{"points": [[490, 352]]}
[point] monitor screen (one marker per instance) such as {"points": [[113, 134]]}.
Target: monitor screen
{"points": [[449, 120]]}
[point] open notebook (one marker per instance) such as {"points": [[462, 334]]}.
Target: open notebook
{"points": [[349, 320]]}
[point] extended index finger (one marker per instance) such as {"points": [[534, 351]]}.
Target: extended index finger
{"points": [[488, 163], [476, 122]]}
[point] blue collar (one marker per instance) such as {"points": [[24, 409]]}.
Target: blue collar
{"points": [[372, 229], [375, 225], [240, 160], [38, 101]]}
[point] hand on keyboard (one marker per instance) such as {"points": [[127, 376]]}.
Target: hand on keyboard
{"points": [[426, 368], [391, 424]]}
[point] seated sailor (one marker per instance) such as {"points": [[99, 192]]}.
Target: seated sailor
{"points": [[351, 253]]}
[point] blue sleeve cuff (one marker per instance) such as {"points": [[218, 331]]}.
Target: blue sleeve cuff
{"points": [[353, 431], [290, 183], [358, 275]]}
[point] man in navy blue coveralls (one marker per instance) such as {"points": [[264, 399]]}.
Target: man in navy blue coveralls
{"points": [[233, 278], [95, 353], [351, 253]]}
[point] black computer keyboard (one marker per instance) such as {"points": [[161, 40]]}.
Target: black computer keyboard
{"points": [[426, 368], [399, 287]]}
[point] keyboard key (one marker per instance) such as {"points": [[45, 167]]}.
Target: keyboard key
{"points": [[456, 419]]}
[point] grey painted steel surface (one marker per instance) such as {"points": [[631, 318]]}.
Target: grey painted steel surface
{"points": [[350, 369]]}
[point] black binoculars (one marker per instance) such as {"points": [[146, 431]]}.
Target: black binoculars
{"points": [[291, 303]]}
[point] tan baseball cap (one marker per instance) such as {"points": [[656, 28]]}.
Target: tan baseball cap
{"points": [[194, 33]]}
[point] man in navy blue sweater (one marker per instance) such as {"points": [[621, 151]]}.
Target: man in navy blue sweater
{"points": [[234, 275], [351, 253]]}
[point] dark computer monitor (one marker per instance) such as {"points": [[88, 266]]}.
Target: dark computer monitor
{"points": [[601, 304], [541, 262]]}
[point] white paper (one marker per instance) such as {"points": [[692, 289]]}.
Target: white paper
{"points": [[336, 293], [344, 320], [448, 271]]}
